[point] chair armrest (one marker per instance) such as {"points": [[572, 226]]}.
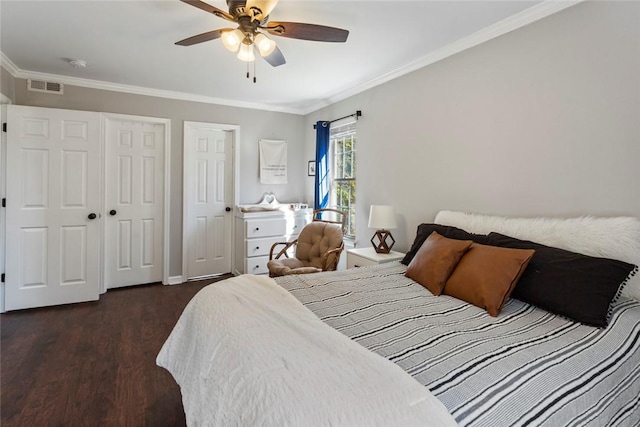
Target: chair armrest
{"points": [[283, 251], [334, 255]]}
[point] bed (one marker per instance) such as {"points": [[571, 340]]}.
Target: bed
{"points": [[371, 346]]}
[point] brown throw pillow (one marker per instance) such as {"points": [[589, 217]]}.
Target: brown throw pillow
{"points": [[486, 276], [435, 260]]}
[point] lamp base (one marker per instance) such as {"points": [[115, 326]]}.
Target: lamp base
{"points": [[382, 247]]}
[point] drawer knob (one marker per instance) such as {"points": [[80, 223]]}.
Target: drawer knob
{"points": [[257, 228], [257, 247]]}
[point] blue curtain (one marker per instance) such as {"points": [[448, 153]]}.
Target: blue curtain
{"points": [[321, 200]]}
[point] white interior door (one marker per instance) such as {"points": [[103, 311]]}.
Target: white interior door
{"points": [[3, 168], [134, 208], [208, 198], [53, 207]]}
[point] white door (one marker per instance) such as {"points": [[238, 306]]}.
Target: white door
{"points": [[3, 167], [208, 198], [134, 207], [53, 206]]}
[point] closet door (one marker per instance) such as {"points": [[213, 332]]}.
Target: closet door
{"points": [[134, 209], [53, 207], [208, 199]]}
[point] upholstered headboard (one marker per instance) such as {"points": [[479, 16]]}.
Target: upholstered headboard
{"points": [[616, 238]]}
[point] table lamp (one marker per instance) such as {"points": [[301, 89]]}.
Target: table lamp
{"points": [[383, 218]]}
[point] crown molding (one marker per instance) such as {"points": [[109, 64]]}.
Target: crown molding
{"points": [[137, 90], [528, 16], [8, 65], [519, 20]]}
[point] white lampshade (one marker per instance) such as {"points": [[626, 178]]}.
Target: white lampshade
{"points": [[265, 45], [232, 39], [246, 53], [382, 217]]}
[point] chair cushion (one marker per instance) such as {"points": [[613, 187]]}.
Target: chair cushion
{"points": [[315, 240], [286, 266]]}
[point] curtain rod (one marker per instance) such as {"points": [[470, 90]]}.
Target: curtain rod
{"points": [[357, 114]]}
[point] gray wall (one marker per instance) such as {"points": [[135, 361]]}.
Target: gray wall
{"points": [[541, 121], [544, 120], [254, 125], [7, 84]]}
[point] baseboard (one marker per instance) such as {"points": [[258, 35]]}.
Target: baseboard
{"points": [[175, 280]]}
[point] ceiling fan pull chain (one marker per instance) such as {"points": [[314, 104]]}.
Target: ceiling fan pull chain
{"points": [[247, 70], [254, 71]]}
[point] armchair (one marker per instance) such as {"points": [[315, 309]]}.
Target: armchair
{"points": [[317, 248]]}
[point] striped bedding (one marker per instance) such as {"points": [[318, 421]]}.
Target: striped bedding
{"points": [[525, 367]]}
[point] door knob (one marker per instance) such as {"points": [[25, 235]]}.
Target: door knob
{"points": [[92, 216], [228, 209], [112, 212]]}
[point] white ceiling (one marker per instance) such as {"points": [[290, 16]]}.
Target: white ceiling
{"points": [[129, 45]]}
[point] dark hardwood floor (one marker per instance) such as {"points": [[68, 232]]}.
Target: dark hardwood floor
{"points": [[93, 364]]}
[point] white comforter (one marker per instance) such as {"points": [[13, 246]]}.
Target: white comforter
{"points": [[245, 352]]}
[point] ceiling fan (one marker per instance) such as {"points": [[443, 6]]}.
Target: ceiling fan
{"points": [[252, 17]]}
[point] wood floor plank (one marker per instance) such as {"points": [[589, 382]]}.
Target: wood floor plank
{"points": [[93, 363]]}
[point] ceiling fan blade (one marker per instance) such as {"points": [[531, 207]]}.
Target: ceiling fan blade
{"points": [[204, 37], [260, 9], [211, 9], [275, 58], [297, 30]]}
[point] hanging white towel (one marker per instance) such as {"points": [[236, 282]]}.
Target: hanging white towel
{"points": [[273, 162]]}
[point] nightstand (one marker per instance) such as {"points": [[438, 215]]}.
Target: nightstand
{"points": [[368, 256]]}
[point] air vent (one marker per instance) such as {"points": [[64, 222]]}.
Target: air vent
{"points": [[43, 86]]}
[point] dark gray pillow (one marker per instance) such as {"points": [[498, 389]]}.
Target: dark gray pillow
{"points": [[425, 230], [573, 285]]}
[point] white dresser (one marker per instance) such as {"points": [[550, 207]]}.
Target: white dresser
{"points": [[256, 232]]}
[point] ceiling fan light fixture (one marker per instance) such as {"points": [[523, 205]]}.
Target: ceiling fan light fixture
{"points": [[246, 53], [260, 9], [252, 19], [232, 39], [265, 45]]}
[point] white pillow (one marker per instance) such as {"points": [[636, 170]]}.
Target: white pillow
{"points": [[616, 238]]}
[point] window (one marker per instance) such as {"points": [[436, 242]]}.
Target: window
{"points": [[343, 172]]}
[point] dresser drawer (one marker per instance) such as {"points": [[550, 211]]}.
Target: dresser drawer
{"points": [[265, 227], [358, 261], [255, 233], [256, 265], [260, 247], [368, 256]]}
